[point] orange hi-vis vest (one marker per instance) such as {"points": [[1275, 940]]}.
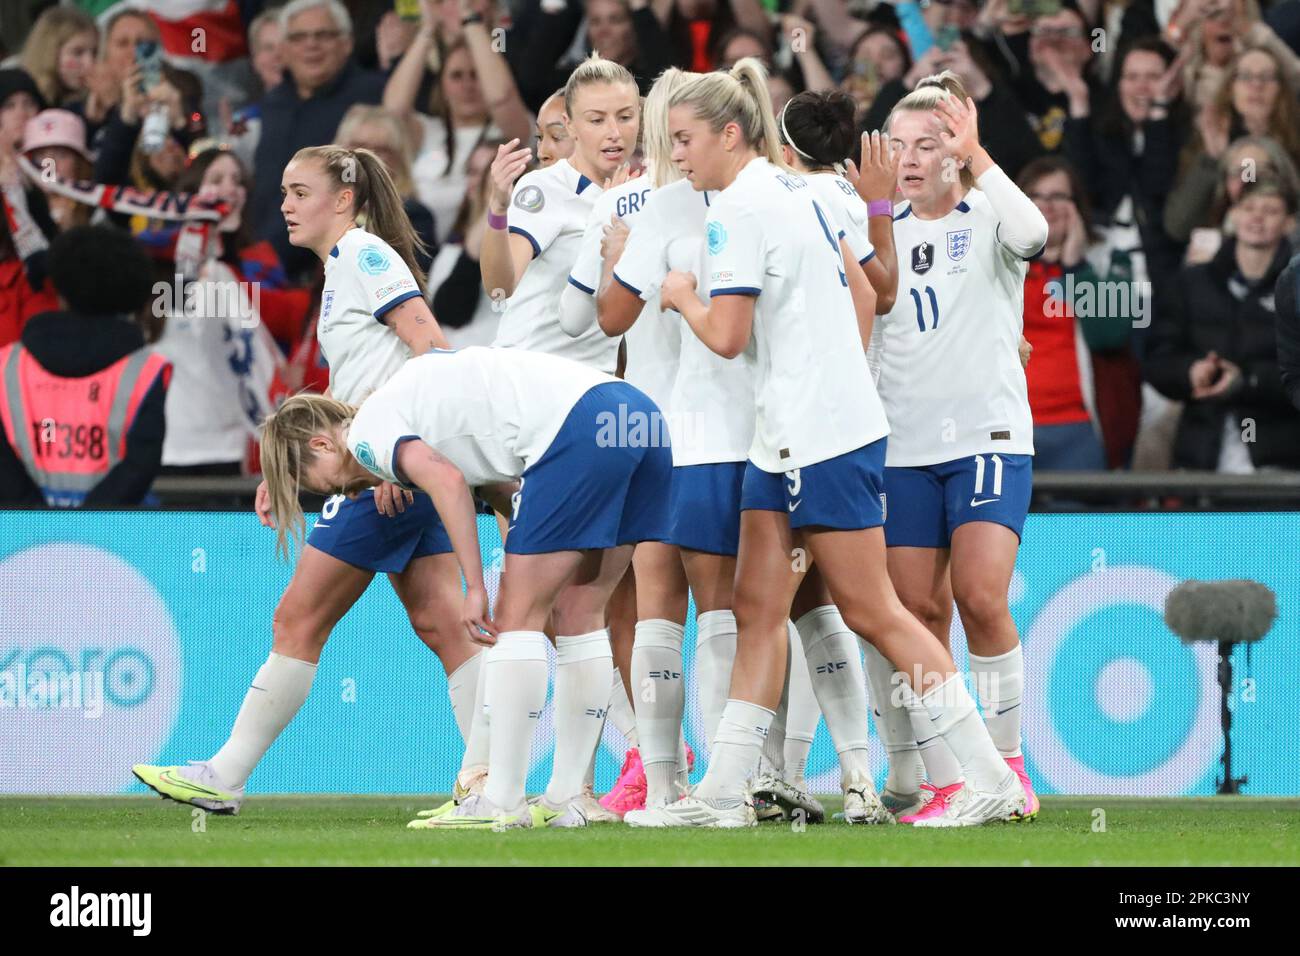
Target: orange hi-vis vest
{"points": [[70, 432]]}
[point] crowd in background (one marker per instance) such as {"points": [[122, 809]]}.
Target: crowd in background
{"points": [[1161, 139]]}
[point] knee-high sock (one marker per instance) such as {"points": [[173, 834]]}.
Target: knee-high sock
{"points": [[999, 681], [462, 689], [516, 694], [620, 709], [715, 652], [954, 716], [660, 698], [941, 765], [583, 665], [835, 668], [476, 745], [893, 726], [802, 715], [276, 694], [737, 746], [773, 755]]}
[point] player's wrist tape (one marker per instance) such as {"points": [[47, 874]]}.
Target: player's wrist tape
{"points": [[495, 221], [880, 207]]}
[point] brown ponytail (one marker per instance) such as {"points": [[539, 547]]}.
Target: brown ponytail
{"points": [[374, 197]]}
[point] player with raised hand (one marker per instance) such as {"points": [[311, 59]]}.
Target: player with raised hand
{"points": [[450, 422], [959, 465], [652, 338], [779, 295], [536, 224], [374, 317]]}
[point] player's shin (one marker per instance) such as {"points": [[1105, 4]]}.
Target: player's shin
{"points": [[835, 669], [583, 672], [715, 653], [516, 691], [659, 698], [276, 694]]}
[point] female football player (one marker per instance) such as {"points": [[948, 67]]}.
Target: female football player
{"points": [[452, 421], [373, 318], [779, 294], [959, 465]]}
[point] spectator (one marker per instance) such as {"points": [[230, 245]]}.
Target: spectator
{"points": [[1197, 209], [1059, 55], [879, 57], [1073, 398], [1214, 345], [1004, 128], [305, 110], [695, 26], [1126, 153], [384, 134], [1255, 99], [85, 375], [117, 60], [465, 311], [215, 335], [20, 101], [1286, 297], [55, 142], [266, 49], [59, 54], [799, 42], [459, 117], [740, 42]]}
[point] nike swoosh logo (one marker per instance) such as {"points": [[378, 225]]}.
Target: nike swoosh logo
{"points": [[1007, 711], [319, 524], [792, 507], [976, 504], [180, 782]]}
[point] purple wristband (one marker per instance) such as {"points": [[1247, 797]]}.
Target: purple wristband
{"points": [[880, 207], [495, 221]]}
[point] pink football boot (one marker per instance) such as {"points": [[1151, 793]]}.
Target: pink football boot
{"points": [[935, 805], [1031, 799], [630, 789]]}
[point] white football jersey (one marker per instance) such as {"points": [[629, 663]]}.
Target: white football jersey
{"points": [[655, 338], [712, 404], [838, 197], [364, 279], [768, 236], [550, 208], [492, 412], [950, 373]]}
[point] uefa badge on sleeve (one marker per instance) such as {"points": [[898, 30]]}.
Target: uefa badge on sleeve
{"points": [[366, 455], [530, 199], [717, 237]]}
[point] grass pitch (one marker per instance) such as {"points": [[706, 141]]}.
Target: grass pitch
{"points": [[370, 831]]}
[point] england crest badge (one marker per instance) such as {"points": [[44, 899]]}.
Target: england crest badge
{"points": [[958, 244]]}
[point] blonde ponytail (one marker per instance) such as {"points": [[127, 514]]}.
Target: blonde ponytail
{"points": [[737, 96], [374, 198], [286, 452]]}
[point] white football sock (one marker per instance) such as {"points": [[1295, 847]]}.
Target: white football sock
{"points": [[516, 694], [802, 714], [462, 688], [583, 665], [835, 668], [736, 749], [999, 682], [893, 726], [953, 713], [941, 766], [276, 694], [715, 652], [620, 710], [476, 745], [773, 755], [657, 675]]}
